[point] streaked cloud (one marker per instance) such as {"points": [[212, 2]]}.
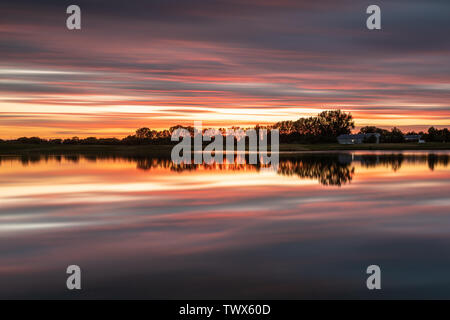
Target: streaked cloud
{"points": [[160, 63]]}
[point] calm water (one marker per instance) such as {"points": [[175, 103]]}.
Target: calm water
{"points": [[145, 228]]}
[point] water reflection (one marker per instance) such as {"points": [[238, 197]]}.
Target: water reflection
{"points": [[333, 169], [141, 227]]}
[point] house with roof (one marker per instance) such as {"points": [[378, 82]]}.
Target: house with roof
{"points": [[357, 138], [413, 138]]}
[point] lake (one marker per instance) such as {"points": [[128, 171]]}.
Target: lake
{"points": [[143, 227]]}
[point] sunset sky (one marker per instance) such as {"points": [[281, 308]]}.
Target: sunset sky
{"points": [[225, 62]]}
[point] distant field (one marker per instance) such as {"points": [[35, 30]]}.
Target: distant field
{"points": [[165, 149]]}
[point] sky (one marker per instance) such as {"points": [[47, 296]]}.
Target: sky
{"points": [[224, 62]]}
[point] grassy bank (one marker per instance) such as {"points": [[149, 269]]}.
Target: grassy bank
{"points": [[8, 149], [365, 146]]}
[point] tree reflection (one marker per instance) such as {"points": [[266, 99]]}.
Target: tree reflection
{"points": [[333, 169], [328, 170]]}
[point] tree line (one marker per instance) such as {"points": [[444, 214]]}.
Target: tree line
{"points": [[395, 135], [323, 128]]}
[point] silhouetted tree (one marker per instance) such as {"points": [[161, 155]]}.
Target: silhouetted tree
{"points": [[396, 136], [437, 135], [143, 133], [334, 123]]}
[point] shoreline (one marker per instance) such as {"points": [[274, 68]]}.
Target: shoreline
{"points": [[20, 149]]}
